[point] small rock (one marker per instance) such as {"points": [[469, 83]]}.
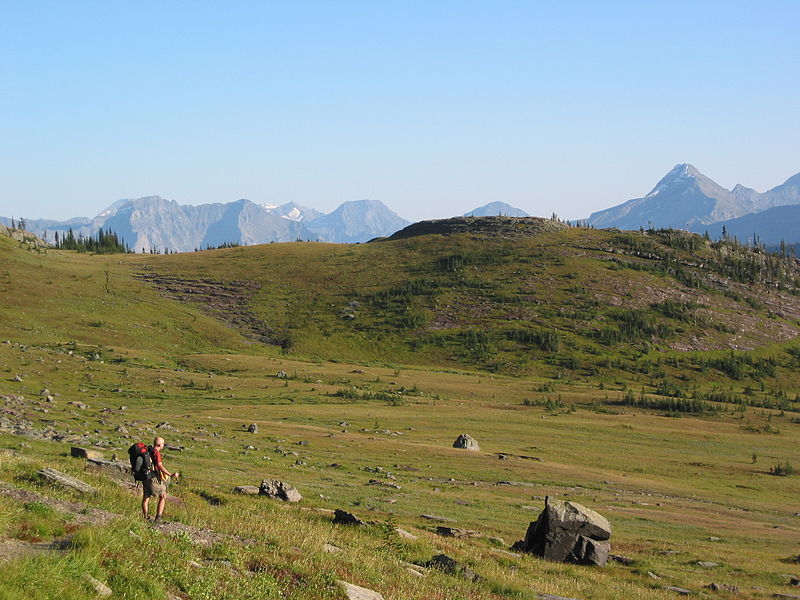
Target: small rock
{"points": [[134, 536], [456, 532], [678, 590], [78, 452], [707, 564], [278, 489], [99, 587], [652, 575], [355, 592], [623, 560], [249, 490], [437, 518], [723, 587], [342, 517], [331, 549], [444, 563], [253, 428], [281, 375], [405, 534]]}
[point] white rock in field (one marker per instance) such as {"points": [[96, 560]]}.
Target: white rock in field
{"points": [[355, 592]]}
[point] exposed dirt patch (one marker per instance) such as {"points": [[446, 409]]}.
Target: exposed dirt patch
{"points": [[228, 302]]}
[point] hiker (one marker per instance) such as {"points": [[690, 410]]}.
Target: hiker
{"points": [[156, 482]]}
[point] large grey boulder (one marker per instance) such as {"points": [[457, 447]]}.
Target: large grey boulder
{"points": [[466, 442], [568, 532], [280, 490]]}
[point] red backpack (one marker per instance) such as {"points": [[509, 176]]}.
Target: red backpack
{"points": [[141, 461]]}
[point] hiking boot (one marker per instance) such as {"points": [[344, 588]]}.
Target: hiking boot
{"points": [[158, 519]]}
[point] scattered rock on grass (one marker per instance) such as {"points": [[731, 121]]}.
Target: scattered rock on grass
{"points": [[466, 442], [250, 490], [356, 592], [253, 428], [678, 590], [438, 518], [78, 452], [444, 563], [342, 517], [723, 587], [280, 490], [457, 532], [101, 588], [405, 534], [62, 479]]}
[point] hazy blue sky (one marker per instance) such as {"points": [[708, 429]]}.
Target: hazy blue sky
{"points": [[433, 107]]}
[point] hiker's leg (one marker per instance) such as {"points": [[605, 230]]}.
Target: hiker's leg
{"points": [[144, 505], [162, 500]]}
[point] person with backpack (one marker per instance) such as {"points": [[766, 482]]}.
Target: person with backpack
{"points": [[148, 468]]}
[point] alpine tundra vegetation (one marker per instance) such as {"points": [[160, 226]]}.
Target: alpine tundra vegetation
{"points": [[649, 376]]}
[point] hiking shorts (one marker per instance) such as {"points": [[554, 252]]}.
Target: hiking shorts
{"points": [[153, 487]]}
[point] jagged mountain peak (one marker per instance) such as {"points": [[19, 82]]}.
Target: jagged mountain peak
{"points": [[295, 212], [681, 175], [682, 199]]}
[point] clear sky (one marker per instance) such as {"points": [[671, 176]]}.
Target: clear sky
{"points": [[433, 107]]}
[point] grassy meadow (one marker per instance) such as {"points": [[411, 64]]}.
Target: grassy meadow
{"points": [[667, 420]]}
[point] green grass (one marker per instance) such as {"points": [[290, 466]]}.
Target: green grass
{"points": [[472, 349]]}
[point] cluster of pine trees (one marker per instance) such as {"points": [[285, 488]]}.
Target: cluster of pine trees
{"points": [[105, 242]]}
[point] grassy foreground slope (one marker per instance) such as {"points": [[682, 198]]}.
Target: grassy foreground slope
{"points": [[682, 475]]}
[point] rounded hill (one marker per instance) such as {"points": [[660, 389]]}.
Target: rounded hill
{"points": [[493, 227]]}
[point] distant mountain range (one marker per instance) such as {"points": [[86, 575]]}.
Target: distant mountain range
{"points": [[155, 224], [683, 199], [687, 199]]}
